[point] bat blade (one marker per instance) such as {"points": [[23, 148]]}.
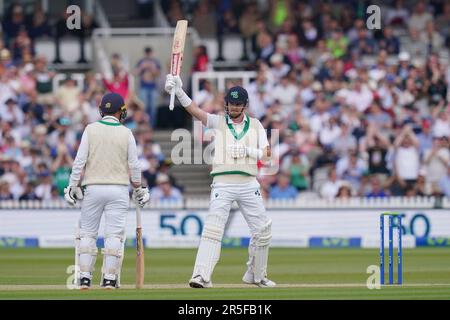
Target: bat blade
{"points": [[139, 259], [176, 61]]}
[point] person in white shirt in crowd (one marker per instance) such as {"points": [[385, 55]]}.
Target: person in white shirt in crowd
{"points": [[432, 38], [14, 175], [444, 182], [67, 96], [345, 141], [5, 193], [436, 161], [441, 126], [330, 188], [360, 95], [286, 93], [44, 187], [11, 112], [406, 162], [425, 137], [164, 191], [378, 117], [330, 132], [415, 47], [351, 169], [6, 89], [320, 116], [420, 16], [259, 92], [206, 93], [278, 68], [387, 91], [306, 91]]}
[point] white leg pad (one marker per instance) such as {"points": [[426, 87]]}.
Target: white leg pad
{"points": [[208, 253], [113, 257], [259, 252], [87, 255]]}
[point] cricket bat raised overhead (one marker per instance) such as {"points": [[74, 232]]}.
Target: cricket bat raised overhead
{"points": [[139, 250], [177, 54]]}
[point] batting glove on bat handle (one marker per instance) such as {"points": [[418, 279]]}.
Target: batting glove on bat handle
{"points": [[174, 87], [254, 153], [141, 196], [172, 99], [72, 194]]}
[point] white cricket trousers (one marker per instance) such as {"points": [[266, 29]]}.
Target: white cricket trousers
{"points": [[113, 201], [251, 204]]}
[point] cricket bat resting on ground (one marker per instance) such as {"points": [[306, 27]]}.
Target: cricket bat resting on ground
{"points": [[139, 250]]}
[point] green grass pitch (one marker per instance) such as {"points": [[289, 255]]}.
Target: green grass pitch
{"points": [[301, 274]]}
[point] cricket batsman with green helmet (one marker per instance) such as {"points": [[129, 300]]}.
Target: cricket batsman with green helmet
{"points": [[240, 141]]}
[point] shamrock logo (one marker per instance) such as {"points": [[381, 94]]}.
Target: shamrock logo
{"points": [[234, 94], [216, 195], [257, 193]]}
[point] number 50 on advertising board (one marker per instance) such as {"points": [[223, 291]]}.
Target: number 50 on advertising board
{"points": [[176, 224]]}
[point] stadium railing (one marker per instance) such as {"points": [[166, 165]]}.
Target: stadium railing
{"points": [[387, 203]]}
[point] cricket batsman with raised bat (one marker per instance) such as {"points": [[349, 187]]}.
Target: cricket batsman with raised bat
{"points": [[239, 142], [108, 153]]}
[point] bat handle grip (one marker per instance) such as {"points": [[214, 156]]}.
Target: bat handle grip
{"points": [[172, 99], [138, 217]]}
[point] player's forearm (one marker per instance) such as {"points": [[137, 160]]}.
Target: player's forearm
{"points": [[136, 180], [191, 106], [133, 162], [136, 185]]}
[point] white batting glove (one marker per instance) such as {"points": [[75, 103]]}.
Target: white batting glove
{"points": [[141, 196], [72, 194], [236, 151], [254, 153], [175, 82]]}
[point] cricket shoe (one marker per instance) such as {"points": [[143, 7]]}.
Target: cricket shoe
{"points": [[264, 283], [85, 283], [198, 282], [109, 284]]}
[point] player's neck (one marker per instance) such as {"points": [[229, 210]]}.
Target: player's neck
{"points": [[112, 117], [238, 119]]}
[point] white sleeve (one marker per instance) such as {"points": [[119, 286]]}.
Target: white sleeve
{"points": [[212, 121], [262, 137], [80, 160], [133, 162]]}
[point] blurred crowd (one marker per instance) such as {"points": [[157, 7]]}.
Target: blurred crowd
{"points": [[359, 112], [23, 25]]}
